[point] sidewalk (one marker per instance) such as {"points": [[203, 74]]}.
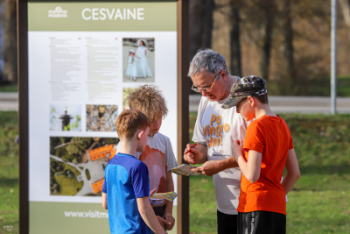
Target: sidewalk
{"points": [[279, 104], [8, 101], [305, 105]]}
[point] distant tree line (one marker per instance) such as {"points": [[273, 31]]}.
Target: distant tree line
{"points": [[284, 34], [8, 52], [290, 36]]}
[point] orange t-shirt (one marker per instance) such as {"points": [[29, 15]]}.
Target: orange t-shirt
{"points": [[270, 136]]}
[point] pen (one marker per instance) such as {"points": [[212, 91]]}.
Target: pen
{"points": [[192, 146]]}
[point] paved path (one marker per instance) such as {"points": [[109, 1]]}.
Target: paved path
{"points": [[8, 101], [307, 105]]}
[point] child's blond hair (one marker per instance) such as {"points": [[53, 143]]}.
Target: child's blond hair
{"points": [[149, 101]]}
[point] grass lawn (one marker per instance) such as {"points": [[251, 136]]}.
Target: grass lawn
{"points": [[309, 87], [319, 203], [9, 88], [9, 193]]}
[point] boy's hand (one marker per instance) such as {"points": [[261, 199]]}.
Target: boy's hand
{"points": [[169, 218], [237, 147], [192, 155], [164, 223], [150, 195]]}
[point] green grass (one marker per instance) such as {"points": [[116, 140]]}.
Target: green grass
{"points": [[9, 88], [309, 87], [319, 203], [9, 189]]}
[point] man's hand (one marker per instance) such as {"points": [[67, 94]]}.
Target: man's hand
{"points": [[169, 218], [192, 155], [209, 168], [152, 192], [164, 223], [237, 147]]}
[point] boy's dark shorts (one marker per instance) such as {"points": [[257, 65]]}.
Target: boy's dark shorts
{"points": [[261, 222], [226, 224], [159, 210]]}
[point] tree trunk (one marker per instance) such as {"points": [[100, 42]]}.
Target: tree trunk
{"points": [[236, 63], [10, 41], [269, 12], [201, 26], [288, 49], [345, 6], [208, 23], [197, 13]]}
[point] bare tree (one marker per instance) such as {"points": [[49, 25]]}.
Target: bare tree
{"points": [[201, 25], [10, 41], [1, 40], [208, 23], [236, 58], [196, 19], [269, 11], [345, 6], [288, 48]]}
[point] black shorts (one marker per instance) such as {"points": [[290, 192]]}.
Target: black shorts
{"points": [[159, 210], [226, 224], [261, 222]]}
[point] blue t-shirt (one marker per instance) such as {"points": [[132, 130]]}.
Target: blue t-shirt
{"points": [[126, 179]]}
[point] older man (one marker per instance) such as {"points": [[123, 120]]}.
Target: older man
{"points": [[213, 131]]}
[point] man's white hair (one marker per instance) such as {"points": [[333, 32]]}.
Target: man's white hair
{"points": [[207, 60]]}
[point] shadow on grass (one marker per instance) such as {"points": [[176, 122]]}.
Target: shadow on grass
{"points": [[8, 182], [325, 170]]}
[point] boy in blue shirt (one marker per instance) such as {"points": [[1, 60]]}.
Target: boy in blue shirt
{"points": [[125, 190]]}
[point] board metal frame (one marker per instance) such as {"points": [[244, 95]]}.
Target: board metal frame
{"points": [[182, 219]]}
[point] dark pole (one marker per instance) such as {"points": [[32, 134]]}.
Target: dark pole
{"points": [[183, 218], [334, 57], [22, 40]]}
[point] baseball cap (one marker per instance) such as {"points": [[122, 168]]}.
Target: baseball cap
{"points": [[245, 87]]}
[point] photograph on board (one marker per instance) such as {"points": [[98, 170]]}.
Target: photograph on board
{"points": [[138, 60], [65, 117], [77, 164], [101, 118], [126, 93]]}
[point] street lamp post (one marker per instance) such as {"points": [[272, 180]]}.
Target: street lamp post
{"points": [[334, 57]]}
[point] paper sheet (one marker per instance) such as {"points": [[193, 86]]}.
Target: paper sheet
{"points": [[184, 170]]}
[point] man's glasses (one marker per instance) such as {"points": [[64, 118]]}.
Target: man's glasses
{"points": [[207, 88]]}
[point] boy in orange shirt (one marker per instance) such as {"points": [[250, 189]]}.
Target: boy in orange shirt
{"points": [[267, 149]]}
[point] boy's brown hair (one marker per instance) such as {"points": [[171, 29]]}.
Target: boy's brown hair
{"points": [[129, 121], [262, 99], [149, 101]]}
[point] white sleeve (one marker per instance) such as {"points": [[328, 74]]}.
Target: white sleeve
{"points": [[198, 135], [118, 147], [170, 158]]}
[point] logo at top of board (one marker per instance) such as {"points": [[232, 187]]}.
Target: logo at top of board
{"points": [[58, 13]]}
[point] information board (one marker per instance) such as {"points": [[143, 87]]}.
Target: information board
{"points": [[83, 60]]}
